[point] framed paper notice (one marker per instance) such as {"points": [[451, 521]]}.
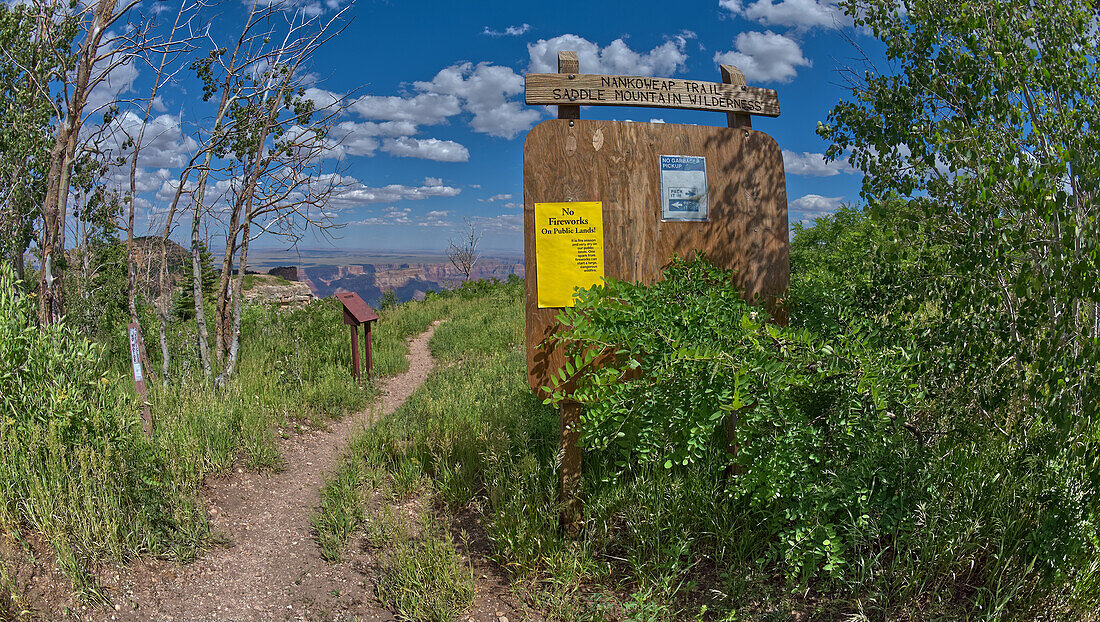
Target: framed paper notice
{"points": [[684, 188], [568, 250]]}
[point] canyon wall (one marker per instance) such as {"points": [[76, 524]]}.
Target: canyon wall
{"points": [[407, 281]]}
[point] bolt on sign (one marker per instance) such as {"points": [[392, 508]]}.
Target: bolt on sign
{"points": [[646, 193]]}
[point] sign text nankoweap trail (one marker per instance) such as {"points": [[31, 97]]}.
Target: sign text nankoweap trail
{"points": [[618, 199]]}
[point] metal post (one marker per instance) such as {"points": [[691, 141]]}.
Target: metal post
{"points": [[354, 352]]}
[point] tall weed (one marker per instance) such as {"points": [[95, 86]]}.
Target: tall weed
{"points": [[77, 468]]}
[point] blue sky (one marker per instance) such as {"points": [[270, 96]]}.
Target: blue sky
{"points": [[433, 133]]}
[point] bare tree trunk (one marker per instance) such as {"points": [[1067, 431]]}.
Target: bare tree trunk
{"points": [[200, 195], [163, 304], [49, 285], [54, 206], [238, 295], [167, 289], [221, 295], [165, 356], [196, 287], [170, 48]]}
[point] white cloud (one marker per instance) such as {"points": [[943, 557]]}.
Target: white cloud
{"points": [[656, 120], [504, 222], [426, 149], [511, 31], [765, 56], [118, 81], [435, 218], [357, 138], [163, 145], [500, 197], [805, 209], [813, 165], [354, 193], [404, 216], [351, 138], [484, 90], [512, 205], [390, 216], [801, 14], [167, 189], [422, 109], [307, 8], [323, 99], [145, 180], [617, 58]]}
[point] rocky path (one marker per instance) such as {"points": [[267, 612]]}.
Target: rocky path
{"points": [[271, 567]]}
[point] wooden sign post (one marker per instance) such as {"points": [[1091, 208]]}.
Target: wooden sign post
{"points": [[137, 345], [662, 190], [357, 312]]}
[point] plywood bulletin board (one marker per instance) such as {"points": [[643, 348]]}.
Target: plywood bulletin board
{"points": [[618, 164]]}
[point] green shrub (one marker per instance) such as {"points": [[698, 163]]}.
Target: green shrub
{"points": [[77, 468], [821, 453]]}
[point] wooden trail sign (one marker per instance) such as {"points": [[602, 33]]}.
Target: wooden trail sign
{"points": [[137, 346], [662, 189], [357, 312], [581, 89]]}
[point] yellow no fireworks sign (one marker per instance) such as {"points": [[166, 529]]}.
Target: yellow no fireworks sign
{"points": [[568, 250]]}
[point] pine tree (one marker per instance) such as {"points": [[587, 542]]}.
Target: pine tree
{"points": [[184, 307]]}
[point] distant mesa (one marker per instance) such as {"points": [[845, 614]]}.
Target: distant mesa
{"points": [[409, 281], [287, 273]]}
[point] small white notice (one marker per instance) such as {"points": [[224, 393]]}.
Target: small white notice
{"points": [[135, 353], [684, 188]]}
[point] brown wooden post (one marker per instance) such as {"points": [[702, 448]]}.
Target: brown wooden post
{"points": [[370, 358], [569, 63], [137, 346], [733, 75], [571, 512], [357, 312], [571, 463], [354, 351]]}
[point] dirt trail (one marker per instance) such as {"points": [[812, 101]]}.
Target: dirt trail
{"points": [[272, 568]]}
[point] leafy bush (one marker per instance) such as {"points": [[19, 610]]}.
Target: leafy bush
{"points": [[1006, 500], [660, 370], [77, 468]]}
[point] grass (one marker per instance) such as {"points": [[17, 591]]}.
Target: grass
{"points": [[294, 373], [251, 280], [656, 544], [424, 578], [666, 545], [77, 469]]}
